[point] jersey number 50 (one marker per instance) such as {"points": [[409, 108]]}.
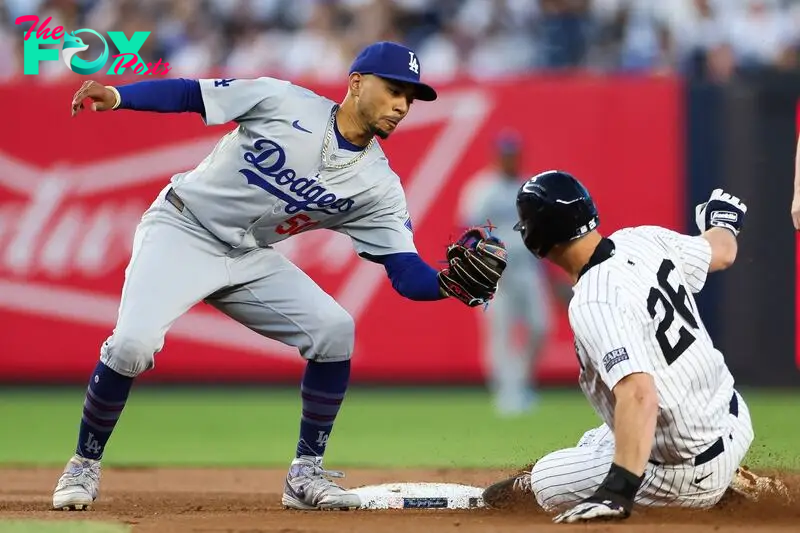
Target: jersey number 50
{"points": [[296, 224], [671, 300]]}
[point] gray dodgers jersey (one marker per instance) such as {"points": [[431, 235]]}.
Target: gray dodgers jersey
{"points": [[265, 180]]}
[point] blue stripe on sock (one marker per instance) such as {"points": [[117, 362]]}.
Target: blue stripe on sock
{"points": [[105, 398], [322, 392]]}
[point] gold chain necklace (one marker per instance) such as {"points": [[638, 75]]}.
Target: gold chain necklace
{"points": [[326, 146]]}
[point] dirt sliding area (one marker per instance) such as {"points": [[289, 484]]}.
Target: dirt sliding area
{"points": [[213, 500]]}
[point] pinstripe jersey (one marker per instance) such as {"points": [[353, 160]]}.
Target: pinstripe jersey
{"points": [[635, 312]]}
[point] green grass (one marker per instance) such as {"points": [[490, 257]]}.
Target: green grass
{"points": [[380, 428], [48, 526]]}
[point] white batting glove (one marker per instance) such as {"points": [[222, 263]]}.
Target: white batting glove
{"points": [[592, 510], [722, 211]]}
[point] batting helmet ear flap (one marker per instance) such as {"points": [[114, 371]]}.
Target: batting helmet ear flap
{"points": [[532, 233]]}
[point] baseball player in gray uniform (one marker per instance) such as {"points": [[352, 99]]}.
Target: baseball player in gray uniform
{"points": [[675, 429], [523, 293], [294, 162]]}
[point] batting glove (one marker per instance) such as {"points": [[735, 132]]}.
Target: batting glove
{"points": [[613, 500], [592, 510], [722, 211]]}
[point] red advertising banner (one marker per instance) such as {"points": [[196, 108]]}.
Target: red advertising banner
{"points": [[72, 191]]}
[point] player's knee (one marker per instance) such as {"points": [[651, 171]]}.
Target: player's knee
{"points": [[333, 335], [549, 491], [595, 436], [128, 355]]}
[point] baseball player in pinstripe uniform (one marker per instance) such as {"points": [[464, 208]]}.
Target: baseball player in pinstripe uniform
{"points": [[675, 429]]}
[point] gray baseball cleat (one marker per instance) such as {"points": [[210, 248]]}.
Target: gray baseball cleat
{"points": [[308, 488], [78, 486]]}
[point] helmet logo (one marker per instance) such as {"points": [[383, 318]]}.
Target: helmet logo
{"points": [[583, 230], [567, 202]]}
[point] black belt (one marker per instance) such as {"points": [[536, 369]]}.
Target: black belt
{"points": [[719, 445], [173, 198]]}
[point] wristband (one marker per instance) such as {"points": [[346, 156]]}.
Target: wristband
{"points": [[116, 95], [620, 486]]}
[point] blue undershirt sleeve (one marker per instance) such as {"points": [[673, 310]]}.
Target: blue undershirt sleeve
{"points": [[178, 95], [411, 277]]}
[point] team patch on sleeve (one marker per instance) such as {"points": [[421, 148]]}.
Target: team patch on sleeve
{"points": [[613, 357]]}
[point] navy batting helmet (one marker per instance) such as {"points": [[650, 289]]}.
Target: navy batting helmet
{"points": [[553, 208]]}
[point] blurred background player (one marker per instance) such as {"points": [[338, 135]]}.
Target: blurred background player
{"points": [[523, 297]]}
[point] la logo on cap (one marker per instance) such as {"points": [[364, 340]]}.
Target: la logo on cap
{"points": [[413, 64]]}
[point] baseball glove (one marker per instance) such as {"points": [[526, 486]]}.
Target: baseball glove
{"points": [[475, 263]]}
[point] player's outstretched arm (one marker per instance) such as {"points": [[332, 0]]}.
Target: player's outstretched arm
{"points": [[475, 263], [161, 96], [724, 248], [411, 276], [719, 220]]}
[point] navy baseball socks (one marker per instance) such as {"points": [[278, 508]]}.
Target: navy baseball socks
{"points": [[105, 399], [308, 486], [323, 389]]}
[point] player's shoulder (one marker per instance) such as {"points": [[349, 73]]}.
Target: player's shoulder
{"points": [[644, 239], [265, 83], [304, 93], [652, 240], [273, 86], [639, 232]]}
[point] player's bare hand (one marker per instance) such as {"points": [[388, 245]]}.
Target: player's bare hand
{"points": [[796, 211], [103, 98], [592, 510]]}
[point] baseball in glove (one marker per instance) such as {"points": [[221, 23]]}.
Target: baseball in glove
{"points": [[475, 263]]}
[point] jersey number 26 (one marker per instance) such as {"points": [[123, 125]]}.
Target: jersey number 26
{"points": [[672, 301]]}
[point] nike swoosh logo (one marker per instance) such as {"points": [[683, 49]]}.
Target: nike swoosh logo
{"points": [[296, 125], [699, 480]]}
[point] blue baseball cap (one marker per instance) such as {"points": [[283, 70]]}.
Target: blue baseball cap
{"points": [[396, 62], [508, 142]]}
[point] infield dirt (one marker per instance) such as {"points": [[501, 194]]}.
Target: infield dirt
{"points": [[248, 501]]}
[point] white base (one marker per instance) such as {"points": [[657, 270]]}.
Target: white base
{"points": [[420, 496]]}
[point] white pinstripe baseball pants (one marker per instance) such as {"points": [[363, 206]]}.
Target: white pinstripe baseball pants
{"points": [[565, 477]]}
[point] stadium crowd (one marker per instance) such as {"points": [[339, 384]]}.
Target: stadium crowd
{"points": [[316, 39]]}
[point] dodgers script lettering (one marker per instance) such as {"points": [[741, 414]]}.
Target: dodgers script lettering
{"points": [[299, 193]]}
